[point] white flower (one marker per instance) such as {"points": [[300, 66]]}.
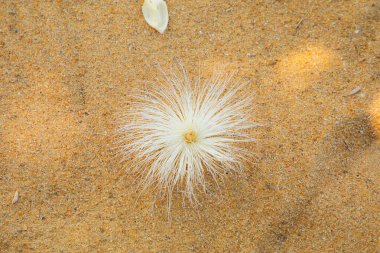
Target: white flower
{"points": [[177, 131]]}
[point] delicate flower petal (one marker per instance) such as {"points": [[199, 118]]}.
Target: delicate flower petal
{"points": [[156, 14]]}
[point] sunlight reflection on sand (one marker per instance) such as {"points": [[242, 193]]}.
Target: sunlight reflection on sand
{"points": [[299, 70], [43, 127]]}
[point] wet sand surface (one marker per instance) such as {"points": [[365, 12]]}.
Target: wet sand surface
{"points": [[67, 68]]}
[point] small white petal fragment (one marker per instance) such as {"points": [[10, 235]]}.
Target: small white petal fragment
{"points": [[156, 14], [15, 198]]}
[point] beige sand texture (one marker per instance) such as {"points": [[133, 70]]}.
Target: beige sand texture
{"points": [[67, 68]]}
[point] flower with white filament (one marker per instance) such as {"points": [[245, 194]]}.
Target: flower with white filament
{"points": [[177, 131]]}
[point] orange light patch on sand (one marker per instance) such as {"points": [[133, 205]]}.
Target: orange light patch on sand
{"points": [[298, 70], [41, 127], [375, 115]]}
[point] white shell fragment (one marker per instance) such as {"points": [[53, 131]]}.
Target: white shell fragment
{"points": [[356, 90], [15, 198], [156, 14]]}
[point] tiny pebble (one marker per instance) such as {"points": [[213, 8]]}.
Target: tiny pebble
{"points": [[357, 29], [251, 54]]}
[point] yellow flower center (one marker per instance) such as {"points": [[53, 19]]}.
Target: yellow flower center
{"points": [[190, 136]]}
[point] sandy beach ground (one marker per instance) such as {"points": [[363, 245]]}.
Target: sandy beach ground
{"points": [[67, 67]]}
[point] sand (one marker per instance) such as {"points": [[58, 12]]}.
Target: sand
{"points": [[66, 70]]}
